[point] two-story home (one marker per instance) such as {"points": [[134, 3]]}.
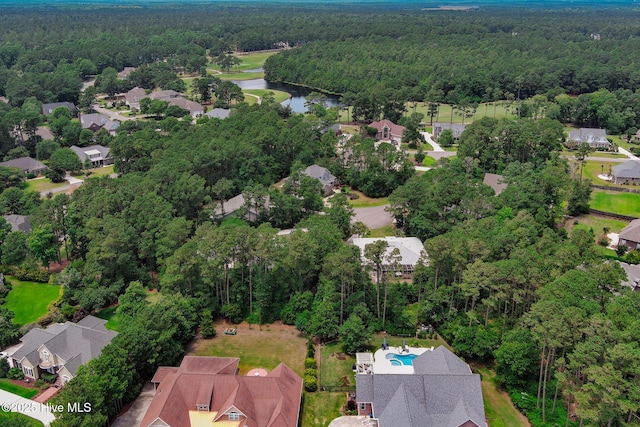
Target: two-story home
{"points": [[388, 131], [95, 122], [93, 156], [596, 138], [456, 129], [207, 391], [61, 348]]}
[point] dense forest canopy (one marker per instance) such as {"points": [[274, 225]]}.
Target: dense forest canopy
{"points": [[502, 277]]}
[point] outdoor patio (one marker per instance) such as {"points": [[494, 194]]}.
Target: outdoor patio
{"points": [[389, 360]]}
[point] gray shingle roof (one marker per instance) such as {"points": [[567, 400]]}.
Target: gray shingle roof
{"points": [[589, 136], [49, 108], [494, 181], [74, 342], [630, 169], [25, 164], [410, 247], [322, 174], [82, 152], [220, 113], [446, 394], [18, 222], [633, 275]]}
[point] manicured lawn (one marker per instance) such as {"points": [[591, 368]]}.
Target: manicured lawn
{"points": [[336, 369], [278, 95], [43, 184], [25, 392], [258, 347], [240, 76], [428, 161], [616, 202], [498, 407], [23, 420], [30, 300], [411, 341], [598, 223], [444, 112], [320, 408], [107, 170], [364, 201], [387, 230], [112, 318]]}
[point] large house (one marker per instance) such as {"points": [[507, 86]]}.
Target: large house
{"points": [[328, 181], [26, 165], [411, 250], [417, 387], [61, 348], [95, 122], [596, 138], [630, 235], [133, 97], [626, 173], [388, 131], [50, 108], [456, 129], [93, 156], [207, 391]]}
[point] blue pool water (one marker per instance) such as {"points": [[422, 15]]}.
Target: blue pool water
{"points": [[401, 359]]}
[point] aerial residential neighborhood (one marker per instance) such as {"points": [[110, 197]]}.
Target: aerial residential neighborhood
{"points": [[267, 214]]}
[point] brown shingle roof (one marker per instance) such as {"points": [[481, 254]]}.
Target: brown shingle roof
{"points": [[271, 401]]}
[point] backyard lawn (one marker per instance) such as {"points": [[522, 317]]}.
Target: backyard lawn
{"points": [[30, 300], [498, 408], [25, 392], [616, 202], [337, 368], [364, 201], [258, 347], [320, 408], [23, 420], [387, 230], [598, 223], [112, 318]]}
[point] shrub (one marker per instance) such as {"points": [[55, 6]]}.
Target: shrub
{"points": [[310, 384], [422, 335], [311, 372], [50, 378], [41, 385], [311, 350], [310, 362], [15, 374], [604, 241], [4, 368]]}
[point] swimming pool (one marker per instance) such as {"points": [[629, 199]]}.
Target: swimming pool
{"points": [[401, 359]]}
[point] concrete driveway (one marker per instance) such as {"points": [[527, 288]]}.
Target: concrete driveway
{"points": [[374, 217], [133, 417], [10, 402]]}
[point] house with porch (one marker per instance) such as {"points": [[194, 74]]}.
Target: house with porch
{"points": [[411, 250], [388, 131], [425, 387], [93, 156], [596, 138], [207, 391], [61, 348]]}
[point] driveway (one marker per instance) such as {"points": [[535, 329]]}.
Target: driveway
{"points": [[133, 417], [374, 217], [10, 402], [113, 115]]}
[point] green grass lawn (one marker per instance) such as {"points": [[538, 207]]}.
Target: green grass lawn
{"points": [[616, 202], [43, 184], [498, 407], [278, 95], [25, 392], [320, 408], [336, 369], [364, 201], [112, 318], [258, 347], [598, 223], [30, 300], [387, 230], [23, 420]]}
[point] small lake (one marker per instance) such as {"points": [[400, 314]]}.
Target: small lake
{"points": [[298, 93]]}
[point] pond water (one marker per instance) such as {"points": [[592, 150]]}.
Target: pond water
{"points": [[298, 93]]}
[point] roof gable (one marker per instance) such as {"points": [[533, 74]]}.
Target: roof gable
{"points": [[631, 232]]}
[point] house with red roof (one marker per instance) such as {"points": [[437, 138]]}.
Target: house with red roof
{"points": [[207, 391], [388, 131]]}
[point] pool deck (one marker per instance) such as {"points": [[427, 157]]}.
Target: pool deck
{"points": [[382, 365]]}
